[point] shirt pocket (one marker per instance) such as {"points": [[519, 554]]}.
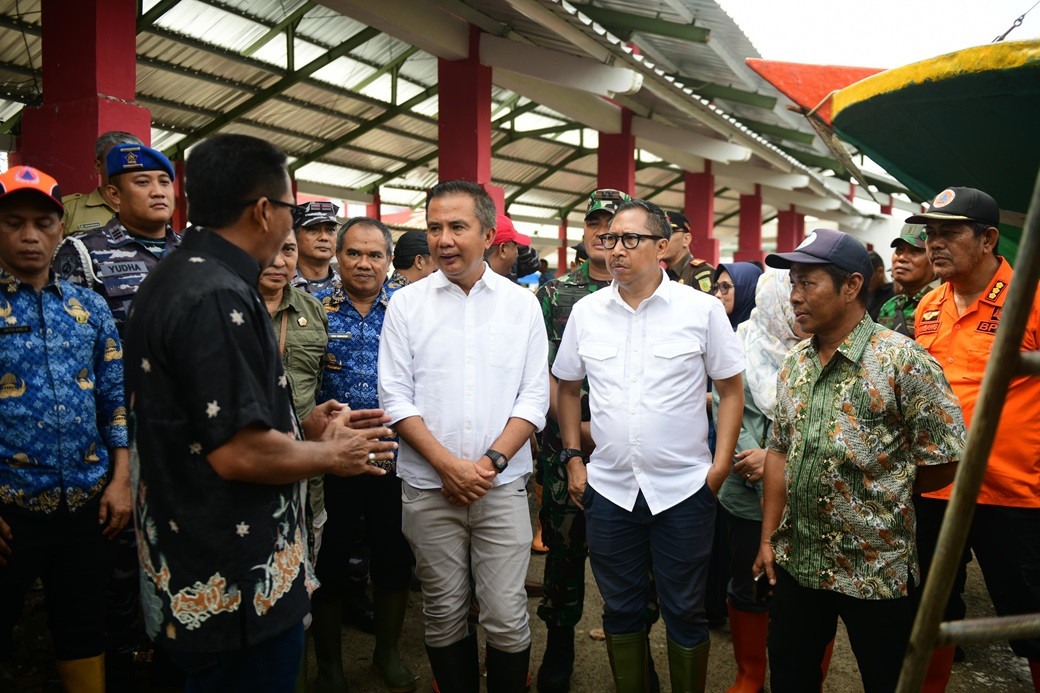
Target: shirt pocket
{"points": [[604, 370], [669, 374]]}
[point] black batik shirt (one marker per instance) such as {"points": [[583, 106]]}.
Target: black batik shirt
{"points": [[222, 562]]}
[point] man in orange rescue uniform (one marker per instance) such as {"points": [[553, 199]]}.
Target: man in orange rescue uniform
{"points": [[957, 323]]}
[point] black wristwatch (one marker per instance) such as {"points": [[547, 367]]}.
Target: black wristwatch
{"points": [[498, 460], [567, 453]]}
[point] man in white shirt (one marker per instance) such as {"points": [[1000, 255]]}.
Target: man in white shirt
{"points": [[646, 345], [463, 374]]}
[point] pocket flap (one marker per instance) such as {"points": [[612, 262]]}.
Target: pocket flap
{"points": [[598, 351], [670, 350]]}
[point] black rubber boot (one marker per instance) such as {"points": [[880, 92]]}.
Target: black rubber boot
{"points": [[327, 629], [554, 676], [627, 653], [455, 666], [653, 681], [507, 671]]}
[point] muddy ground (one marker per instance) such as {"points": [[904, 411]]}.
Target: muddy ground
{"points": [[986, 668]]}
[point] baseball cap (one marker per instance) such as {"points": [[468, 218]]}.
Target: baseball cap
{"points": [[408, 246], [823, 247], [317, 212], [606, 198], [913, 234], [679, 222], [130, 158], [505, 232], [27, 178], [960, 204]]}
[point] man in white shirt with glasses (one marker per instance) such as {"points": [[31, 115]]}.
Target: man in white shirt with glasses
{"points": [[646, 345]]}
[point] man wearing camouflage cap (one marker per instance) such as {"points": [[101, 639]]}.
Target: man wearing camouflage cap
{"points": [[913, 276], [315, 229]]}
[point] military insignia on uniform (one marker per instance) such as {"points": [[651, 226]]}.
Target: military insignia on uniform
{"points": [[130, 158], [705, 284], [301, 321], [930, 316], [11, 386], [74, 308], [996, 291]]}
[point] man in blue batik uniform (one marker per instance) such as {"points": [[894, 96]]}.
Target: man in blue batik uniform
{"points": [[64, 481]]}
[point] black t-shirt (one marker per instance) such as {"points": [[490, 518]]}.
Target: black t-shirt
{"points": [[222, 562]]}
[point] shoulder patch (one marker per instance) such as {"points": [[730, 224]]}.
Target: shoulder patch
{"points": [[930, 316]]}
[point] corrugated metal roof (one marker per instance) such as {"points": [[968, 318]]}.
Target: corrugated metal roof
{"points": [[201, 59]]}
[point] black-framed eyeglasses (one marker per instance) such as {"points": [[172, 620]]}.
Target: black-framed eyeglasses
{"points": [[721, 288], [629, 240], [295, 209]]}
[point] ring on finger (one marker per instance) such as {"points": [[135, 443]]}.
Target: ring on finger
{"points": [[371, 457]]}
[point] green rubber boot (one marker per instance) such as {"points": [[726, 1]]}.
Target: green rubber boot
{"points": [[627, 654], [688, 666], [390, 607], [327, 628]]}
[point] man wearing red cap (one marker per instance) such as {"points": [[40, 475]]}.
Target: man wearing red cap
{"points": [[65, 486], [504, 249]]}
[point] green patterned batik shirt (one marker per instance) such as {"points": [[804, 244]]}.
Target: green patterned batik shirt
{"points": [[854, 432], [898, 312]]}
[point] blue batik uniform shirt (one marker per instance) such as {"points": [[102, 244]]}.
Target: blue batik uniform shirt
{"points": [[350, 373], [61, 395]]}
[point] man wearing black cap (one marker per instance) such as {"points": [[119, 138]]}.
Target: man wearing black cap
{"points": [[957, 323], [315, 228], [682, 266], [864, 418], [115, 259], [412, 260], [914, 277]]}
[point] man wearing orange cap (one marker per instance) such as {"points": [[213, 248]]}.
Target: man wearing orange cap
{"points": [[65, 486], [501, 256]]}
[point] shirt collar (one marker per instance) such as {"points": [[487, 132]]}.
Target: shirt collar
{"points": [[239, 261], [12, 283], [856, 341], [118, 235], [96, 199], [338, 295], [663, 291], [488, 279]]}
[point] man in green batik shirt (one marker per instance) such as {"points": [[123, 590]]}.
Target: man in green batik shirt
{"points": [[864, 418], [913, 275]]}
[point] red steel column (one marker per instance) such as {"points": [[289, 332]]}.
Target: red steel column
{"points": [[464, 121], [90, 70], [374, 209], [699, 207], [616, 158], [180, 200], [749, 245], [790, 230]]}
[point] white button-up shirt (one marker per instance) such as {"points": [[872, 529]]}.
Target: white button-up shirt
{"points": [[646, 369], [466, 364]]}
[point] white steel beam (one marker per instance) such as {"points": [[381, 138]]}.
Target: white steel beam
{"points": [[580, 106], [688, 142]]}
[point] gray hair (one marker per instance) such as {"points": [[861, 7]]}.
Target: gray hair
{"points": [[656, 220], [112, 138], [483, 205], [365, 221]]}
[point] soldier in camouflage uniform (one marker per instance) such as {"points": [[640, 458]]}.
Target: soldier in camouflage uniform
{"points": [[563, 523], [913, 274], [113, 261]]}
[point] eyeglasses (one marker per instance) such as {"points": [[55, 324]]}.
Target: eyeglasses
{"points": [[721, 288], [294, 209], [629, 240]]}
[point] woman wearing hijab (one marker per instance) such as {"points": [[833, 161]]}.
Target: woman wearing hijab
{"points": [[734, 286]]}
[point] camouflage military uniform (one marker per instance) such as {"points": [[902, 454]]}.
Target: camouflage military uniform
{"points": [[113, 262], [898, 312], [563, 523], [117, 264]]}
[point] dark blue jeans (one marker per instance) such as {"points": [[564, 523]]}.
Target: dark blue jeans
{"points": [[621, 545], [272, 666]]}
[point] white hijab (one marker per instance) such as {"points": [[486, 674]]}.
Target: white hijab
{"points": [[767, 336]]}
